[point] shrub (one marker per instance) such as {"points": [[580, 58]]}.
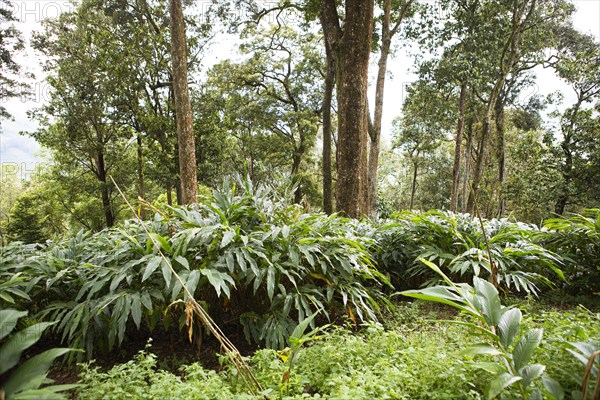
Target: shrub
{"points": [[457, 243], [577, 238], [246, 255]]}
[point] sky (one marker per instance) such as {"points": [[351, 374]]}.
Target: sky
{"points": [[25, 153]]}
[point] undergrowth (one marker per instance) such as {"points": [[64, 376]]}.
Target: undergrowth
{"points": [[413, 357]]}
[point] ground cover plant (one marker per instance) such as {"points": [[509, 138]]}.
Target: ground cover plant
{"points": [[413, 356]]}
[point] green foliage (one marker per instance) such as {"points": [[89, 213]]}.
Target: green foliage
{"points": [[247, 256], [577, 239], [24, 221], [457, 244], [413, 357], [27, 380], [140, 379], [500, 327]]}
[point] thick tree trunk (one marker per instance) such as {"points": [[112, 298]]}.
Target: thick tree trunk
{"points": [[458, 149], [500, 153], [140, 172], [352, 187], [183, 111], [327, 103]]}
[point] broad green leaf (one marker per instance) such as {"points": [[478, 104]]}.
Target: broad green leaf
{"points": [[500, 383], [491, 367], [525, 347], [508, 327], [32, 373], [183, 262], [270, 282], [481, 349], [136, 309], [301, 327], [227, 238], [10, 352], [553, 387], [166, 272], [47, 393], [531, 372], [219, 281], [488, 301], [439, 294], [8, 320], [151, 267], [164, 244]]}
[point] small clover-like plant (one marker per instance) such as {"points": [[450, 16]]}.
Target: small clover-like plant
{"points": [[512, 348]]}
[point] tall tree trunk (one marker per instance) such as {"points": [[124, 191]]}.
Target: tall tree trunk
{"points": [[465, 186], [413, 188], [458, 149], [567, 170], [481, 149], [296, 160], [183, 114], [352, 185], [375, 133], [169, 193], [567, 174], [387, 32], [104, 191], [140, 172], [327, 102], [500, 152]]}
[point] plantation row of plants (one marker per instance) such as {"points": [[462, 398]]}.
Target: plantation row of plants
{"points": [[252, 260]]}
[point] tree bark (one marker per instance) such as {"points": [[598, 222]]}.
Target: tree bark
{"points": [[465, 186], [413, 188], [567, 170], [375, 133], [387, 33], [481, 149], [104, 191], [140, 172], [500, 131], [352, 185], [183, 110], [458, 149], [327, 103]]}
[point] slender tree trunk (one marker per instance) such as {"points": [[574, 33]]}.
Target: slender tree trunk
{"points": [[567, 174], [140, 172], [469, 145], [327, 102], [104, 191], [375, 133], [169, 194], [500, 153], [567, 170], [481, 149], [296, 160], [458, 148], [352, 185], [413, 188], [183, 114]]}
